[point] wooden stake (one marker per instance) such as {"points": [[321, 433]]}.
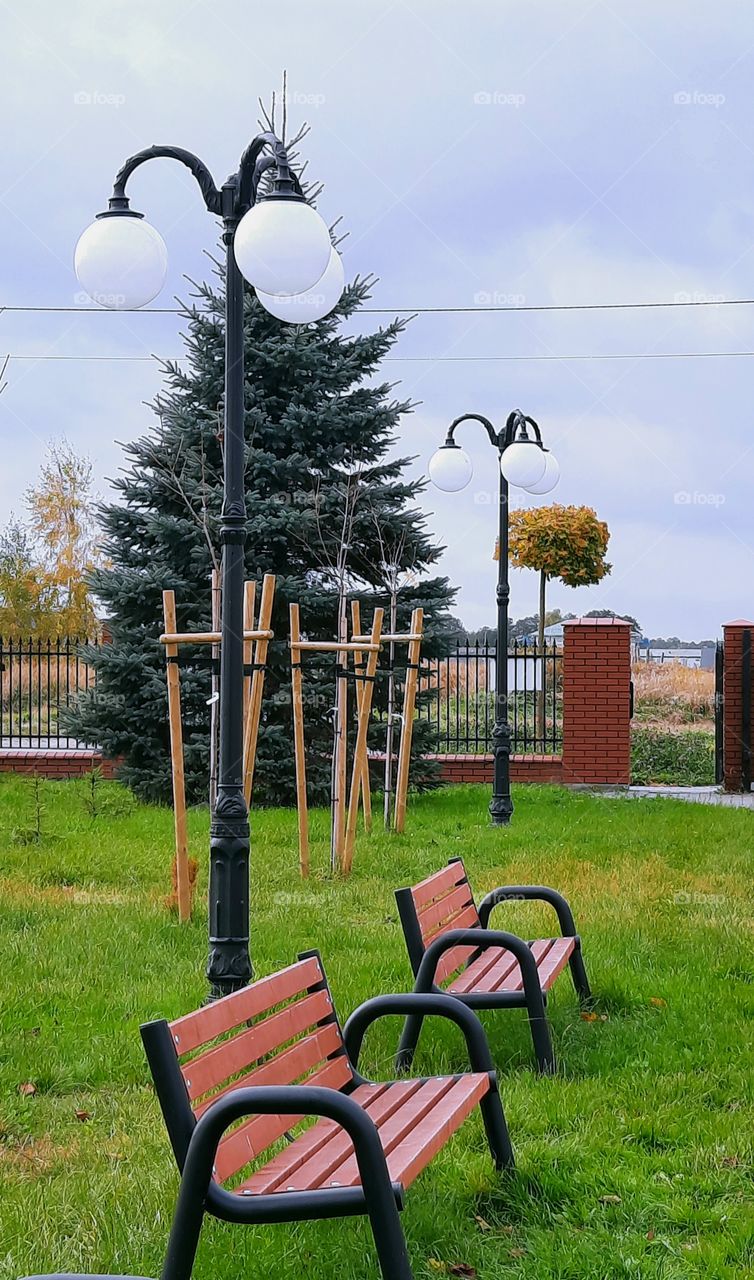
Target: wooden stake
{"points": [[407, 726], [249, 600], [176, 759], [360, 750], [298, 741], [251, 733], [366, 793]]}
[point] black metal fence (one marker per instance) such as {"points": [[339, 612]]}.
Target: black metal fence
{"points": [[461, 705], [38, 680]]}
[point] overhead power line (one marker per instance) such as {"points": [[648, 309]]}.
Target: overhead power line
{"points": [[683, 301], [618, 355]]}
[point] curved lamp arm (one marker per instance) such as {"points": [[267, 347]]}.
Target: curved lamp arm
{"points": [[244, 182], [473, 417], [516, 428], [212, 197]]}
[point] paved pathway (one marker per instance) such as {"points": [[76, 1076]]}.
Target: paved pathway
{"points": [[693, 795]]}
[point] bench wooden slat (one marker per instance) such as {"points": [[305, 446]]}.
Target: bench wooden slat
{"points": [[513, 980], [314, 1164], [427, 1137], [395, 1128], [286, 1163], [255, 1135], [443, 913], [451, 961], [195, 1029], [435, 885], [214, 1066], [466, 919], [328, 1042], [555, 961], [479, 974]]}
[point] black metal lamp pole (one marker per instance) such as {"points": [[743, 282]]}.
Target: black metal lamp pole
{"points": [[229, 963], [515, 429]]}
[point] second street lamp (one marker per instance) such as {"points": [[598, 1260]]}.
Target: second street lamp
{"points": [[277, 242], [524, 462]]}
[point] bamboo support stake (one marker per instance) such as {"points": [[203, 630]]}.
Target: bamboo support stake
{"points": [[366, 793], [209, 637], [360, 750], [298, 741], [251, 732], [183, 883], [249, 600], [407, 726]]}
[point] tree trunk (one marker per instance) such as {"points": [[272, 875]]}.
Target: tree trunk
{"points": [[340, 742], [541, 695]]}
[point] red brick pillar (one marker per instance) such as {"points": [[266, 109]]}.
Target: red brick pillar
{"points": [[733, 718], [597, 701]]}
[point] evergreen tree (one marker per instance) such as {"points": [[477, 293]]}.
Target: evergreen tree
{"points": [[319, 429]]}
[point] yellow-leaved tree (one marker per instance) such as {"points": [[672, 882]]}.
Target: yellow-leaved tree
{"points": [[569, 543], [45, 562]]}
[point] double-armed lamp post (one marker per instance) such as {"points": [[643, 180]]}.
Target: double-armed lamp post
{"points": [[526, 463], [278, 243]]}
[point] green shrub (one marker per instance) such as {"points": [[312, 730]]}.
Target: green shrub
{"points": [[677, 759]]}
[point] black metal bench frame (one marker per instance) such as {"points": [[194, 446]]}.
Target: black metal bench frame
{"points": [[424, 961], [195, 1142]]}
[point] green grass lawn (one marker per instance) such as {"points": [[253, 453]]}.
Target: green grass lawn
{"points": [[635, 1161]]}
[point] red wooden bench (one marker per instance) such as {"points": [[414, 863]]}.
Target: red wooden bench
{"points": [[447, 938], [265, 1058]]}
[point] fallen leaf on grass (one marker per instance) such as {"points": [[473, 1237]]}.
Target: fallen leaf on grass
{"points": [[83, 1116], [610, 1200], [650, 1234], [589, 1017], [27, 1090], [658, 1002], [454, 1268], [517, 1253], [730, 1162], [482, 1223]]}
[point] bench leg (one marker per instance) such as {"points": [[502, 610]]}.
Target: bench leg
{"points": [[408, 1042], [540, 1028], [578, 973], [385, 1221], [496, 1129]]}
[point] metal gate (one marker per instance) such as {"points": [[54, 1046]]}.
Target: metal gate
{"points": [[719, 713]]}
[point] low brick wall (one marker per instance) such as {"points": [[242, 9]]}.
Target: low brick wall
{"points": [[478, 768], [63, 763]]}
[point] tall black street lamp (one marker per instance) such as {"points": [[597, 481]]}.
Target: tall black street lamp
{"points": [[524, 462], [277, 242]]}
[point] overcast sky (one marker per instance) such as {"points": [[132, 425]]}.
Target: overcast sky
{"points": [[484, 151]]}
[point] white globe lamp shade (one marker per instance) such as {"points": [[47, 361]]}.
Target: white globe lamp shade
{"points": [[316, 303], [450, 468], [282, 246], [523, 463], [549, 478], [121, 261]]}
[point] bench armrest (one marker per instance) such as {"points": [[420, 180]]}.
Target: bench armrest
{"points": [[480, 1057], [197, 1191], [530, 892], [481, 940]]}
